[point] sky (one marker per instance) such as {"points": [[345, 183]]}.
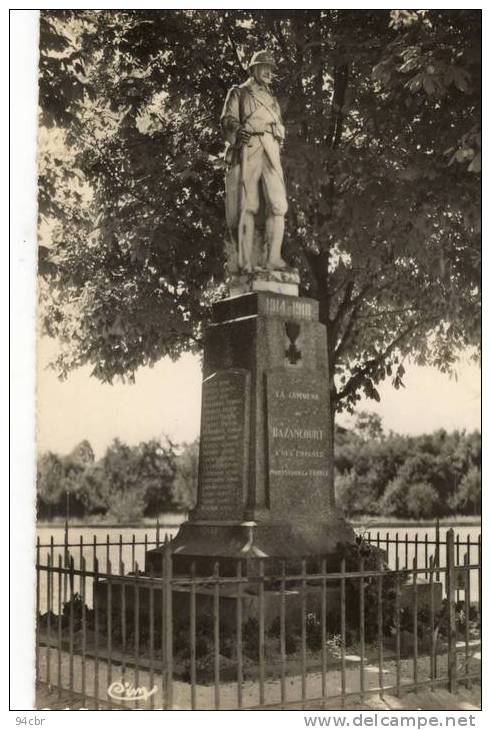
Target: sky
{"points": [[166, 399]]}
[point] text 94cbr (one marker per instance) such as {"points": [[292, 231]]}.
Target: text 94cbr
{"points": [[29, 720]]}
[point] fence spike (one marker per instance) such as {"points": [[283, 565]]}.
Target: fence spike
{"points": [[452, 629]]}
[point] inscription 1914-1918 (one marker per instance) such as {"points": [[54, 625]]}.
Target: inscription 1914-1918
{"points": [[289, 308], [297, 443], [223, 445]]}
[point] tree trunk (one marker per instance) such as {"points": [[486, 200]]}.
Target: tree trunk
{"points": [[324, 304], [331, 408]]}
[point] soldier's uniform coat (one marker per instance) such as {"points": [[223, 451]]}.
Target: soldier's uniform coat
{"points": [[254, 178]]}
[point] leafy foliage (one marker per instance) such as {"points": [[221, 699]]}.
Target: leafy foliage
{"points": [[382, 160], [185, 485], [68, 483], [413, 477], [422, 500], [129, 482], [468, 496]]}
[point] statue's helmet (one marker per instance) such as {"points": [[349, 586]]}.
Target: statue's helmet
{"points": [[262, 57]]}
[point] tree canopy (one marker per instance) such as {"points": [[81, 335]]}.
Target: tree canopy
{"points": [[382, 110], [431, 475], [127, 483]]}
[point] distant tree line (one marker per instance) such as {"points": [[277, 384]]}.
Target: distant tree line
{"points": [[126, 484], [414, 477]]}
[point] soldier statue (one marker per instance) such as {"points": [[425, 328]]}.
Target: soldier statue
{"points": [[254, 184]]}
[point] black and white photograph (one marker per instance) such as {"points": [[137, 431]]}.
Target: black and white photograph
{"points": [[257, 477]]}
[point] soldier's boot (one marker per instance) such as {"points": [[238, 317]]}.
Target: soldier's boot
{"points": [[275, 228]]}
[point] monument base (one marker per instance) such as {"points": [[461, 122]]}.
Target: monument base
{"points": [[252, 605], [205, 543], [269, 604]]}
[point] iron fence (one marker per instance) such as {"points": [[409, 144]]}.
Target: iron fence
{"points": [[403, 548], [257, 637]]}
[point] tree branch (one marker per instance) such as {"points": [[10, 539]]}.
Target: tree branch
{"points": [[368, 369], [347, 303], [343, 307], [341, 347], [338, 104], [278, 34], [391, 311], [235, 50], [308, 256], [340, 85]]}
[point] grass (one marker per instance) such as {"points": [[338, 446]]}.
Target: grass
{"points": [[175, 519], [166, 520], [384, 521]]}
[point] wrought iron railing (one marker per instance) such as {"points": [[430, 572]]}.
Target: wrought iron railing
{"points": [[252, 639]]}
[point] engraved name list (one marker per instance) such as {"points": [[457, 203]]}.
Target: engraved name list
{"points": [[223, 445]]}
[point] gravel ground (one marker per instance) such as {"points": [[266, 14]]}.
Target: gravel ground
{"points": [[98, 679], [464, 700]]}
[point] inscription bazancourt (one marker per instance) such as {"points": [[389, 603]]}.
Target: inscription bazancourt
{"points": [[223, 436], [297, 437]]}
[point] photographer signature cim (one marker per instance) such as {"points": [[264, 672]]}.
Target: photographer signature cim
{"points": [[124, 691]]}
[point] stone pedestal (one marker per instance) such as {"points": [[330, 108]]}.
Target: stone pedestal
{"points": [[285, 282], [262, 489], [423, 591], [205, 602]]}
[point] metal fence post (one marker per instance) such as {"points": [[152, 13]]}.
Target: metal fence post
{"points": [[38, 603], [216, 633], [380, 627], [65, 559], [452, 629], [437, 547], [361, 569], [192, 634], [168, 624]]}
